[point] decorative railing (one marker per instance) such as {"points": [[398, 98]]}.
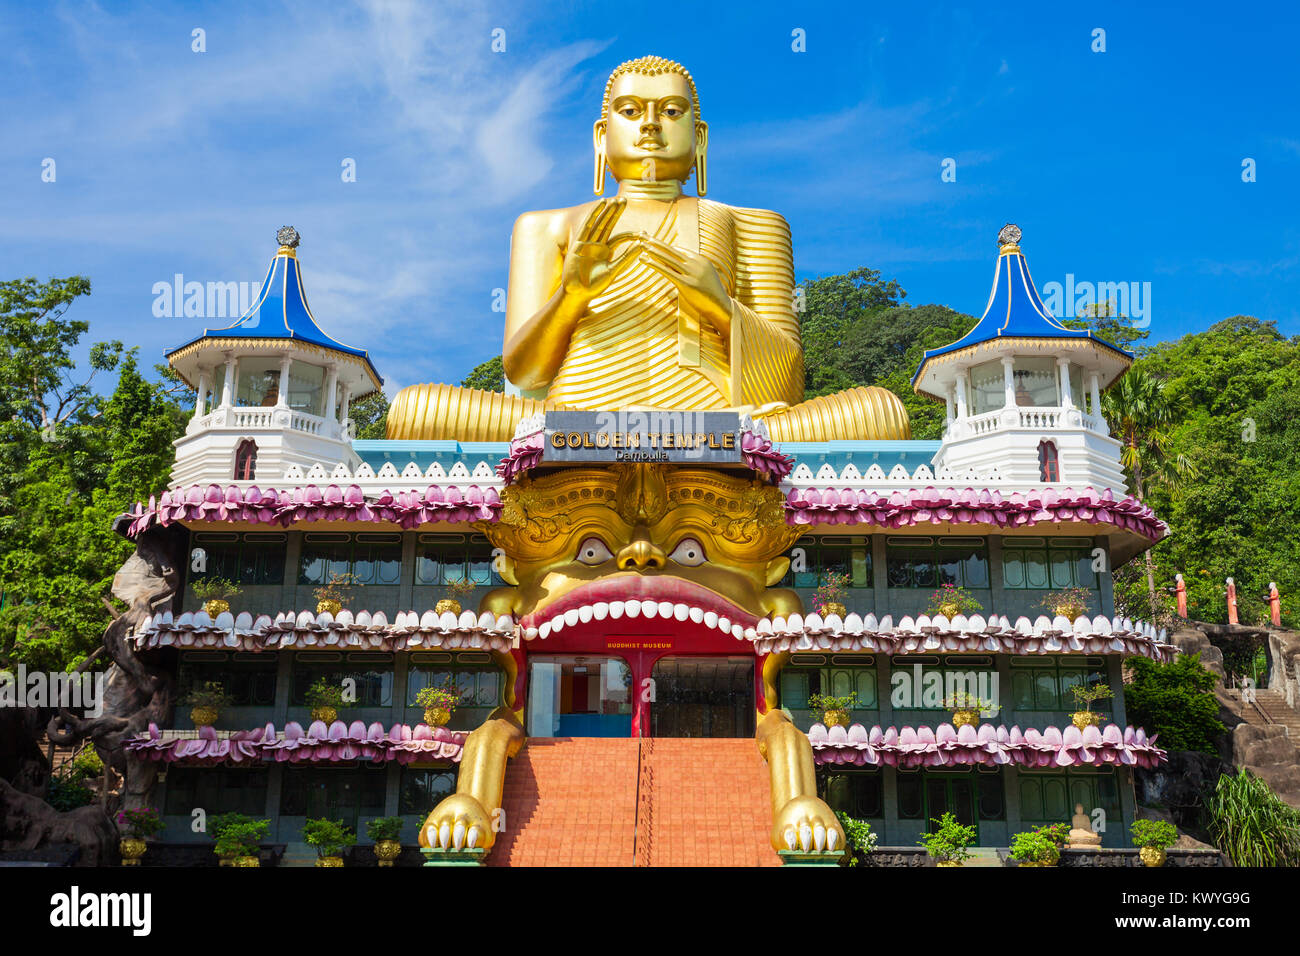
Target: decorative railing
{"points": [[263, 417], [1035, 417]]}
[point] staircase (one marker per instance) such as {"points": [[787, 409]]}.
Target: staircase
{"points": [[586, 801], [1274, 706]]}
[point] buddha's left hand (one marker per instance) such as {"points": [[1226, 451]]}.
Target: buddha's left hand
{"points": [[700, 291]]}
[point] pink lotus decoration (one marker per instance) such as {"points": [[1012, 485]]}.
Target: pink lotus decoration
{"points": [[525, 453], [318, 743], [987, 745], [757, 451]]}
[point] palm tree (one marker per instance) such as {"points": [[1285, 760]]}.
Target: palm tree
{"points": [[1140, 417]]}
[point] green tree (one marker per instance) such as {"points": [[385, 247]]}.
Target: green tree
{"points": [[370, 416], [832, 307], [1176, 701], [489, 376]]}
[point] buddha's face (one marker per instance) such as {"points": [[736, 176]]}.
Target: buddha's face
{"points": [[650, 131], [704, 543]]}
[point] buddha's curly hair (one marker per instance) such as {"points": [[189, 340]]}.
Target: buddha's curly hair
{"points": [[650, 66]]}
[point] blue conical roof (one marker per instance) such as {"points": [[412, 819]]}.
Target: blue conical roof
{"points": [[1015, 311], [281, 311]]}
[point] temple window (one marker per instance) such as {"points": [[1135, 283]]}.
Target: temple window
{"points": [[479, 686], [1036, 382], [1049, 796], [809, 674], [447, 558], [252, 558], [246, 460], [839, 555], [988, 387], [968, 795], [372, 673], [307, 388], [859, 793], [351, 795], [1049, 468], [923, 563], [259, 382], [1043, 685], [371, 559], [216, 790], [422, 789], [1036, 563], [249, 683]]}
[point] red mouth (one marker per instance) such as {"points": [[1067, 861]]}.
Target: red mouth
{"points": [[668, 594]]}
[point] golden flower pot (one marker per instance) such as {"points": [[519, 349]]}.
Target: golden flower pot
{"points": [[131, 848], [1085, 718], [1152, 855], [436, 716], [330, 861], [330, 605], [204, 716], [225, 859], [214, 608], [836, 718], [1068, 611], [949, 610], [834, 607], [964, 716], [326, 714], [246, 861], [447, 604], [947, 863], [387, 851]]}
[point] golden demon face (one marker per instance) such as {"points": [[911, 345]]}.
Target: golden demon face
{"points": [[592, 536]]}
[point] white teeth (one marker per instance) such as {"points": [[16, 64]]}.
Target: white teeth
{"points": [[681, 612], [665, 609], [697, 614], [632, 608], [584, 614], [832, 838], [545, 630], [737, 631], [431, 834], [649, 609], [616, 609], [600, 610], [531, 633], [724, 624], [557, 623], [710, 619], [805, 836], [571, 616]]}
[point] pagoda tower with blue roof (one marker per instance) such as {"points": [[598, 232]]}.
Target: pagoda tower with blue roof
{"points": [[1023, 391], [273, 388]]}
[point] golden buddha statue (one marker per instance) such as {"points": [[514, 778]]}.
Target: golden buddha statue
{"points": [[651, 299]]}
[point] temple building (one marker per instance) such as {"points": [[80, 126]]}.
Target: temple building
{"points": [[626, 600]]}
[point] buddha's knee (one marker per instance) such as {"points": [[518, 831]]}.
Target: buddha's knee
{"points": [[865, 413], [434, 412]]}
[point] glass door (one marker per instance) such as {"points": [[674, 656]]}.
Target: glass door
{"points": [[579, 696], [702, 697]]}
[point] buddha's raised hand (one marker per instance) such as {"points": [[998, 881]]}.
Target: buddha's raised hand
{"points": [[589, 262]]}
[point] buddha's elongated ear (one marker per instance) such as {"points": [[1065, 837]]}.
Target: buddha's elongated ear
{"points": [[598, 142], [701, 156]]}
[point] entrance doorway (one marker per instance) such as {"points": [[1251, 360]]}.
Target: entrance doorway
{"points": [[579, 696], [703, 697]]}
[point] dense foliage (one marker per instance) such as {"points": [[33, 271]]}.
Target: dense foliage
{"points": [[1249, 823], [1176, 701]]}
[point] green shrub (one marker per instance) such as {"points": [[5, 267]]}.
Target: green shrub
{"points": [[1160, 834], [242, 839], [859, 840], [218, 823], [68, 793], [1176, 701], [384, 828], [87, 764], [1249, 823], [329, 838], [949, 843]]}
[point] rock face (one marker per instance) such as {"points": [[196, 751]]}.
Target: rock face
{"points": [[1192, 640], [1178, 788], [1284, 656], [1269, 753]]}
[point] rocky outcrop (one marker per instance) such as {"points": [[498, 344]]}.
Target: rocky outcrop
{"points": [[1178, 788], [1269, 753], [1193, 640]]}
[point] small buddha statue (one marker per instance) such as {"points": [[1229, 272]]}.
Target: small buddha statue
{"points": [[1081, 832], [650, 299]]}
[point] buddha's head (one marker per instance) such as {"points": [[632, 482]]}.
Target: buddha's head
{"points": [[590, 536], [650, 127]]}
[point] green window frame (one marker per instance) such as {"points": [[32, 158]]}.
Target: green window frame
{"points": [[1050, 795], [839, 554], [859, 793], [479, 686], [925, 563], [1038, 564], [1039, 684], [422, 788], [371, 559], [250, 683], [798, 683], [373, 675], [216, 790], [450, 558], [348, 794], [253, 558], [977, 671], [971, 796]]}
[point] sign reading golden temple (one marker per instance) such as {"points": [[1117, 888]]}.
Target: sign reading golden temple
{"points": [[648, 436]]}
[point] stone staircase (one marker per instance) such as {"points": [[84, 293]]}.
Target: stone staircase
{"points": [[586, 801], [1275, 708]]}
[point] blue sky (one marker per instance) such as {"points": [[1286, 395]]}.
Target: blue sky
{"points": [[1118, 166]]}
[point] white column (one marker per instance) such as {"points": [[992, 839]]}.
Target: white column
{"points": [[282, 393], [1064, 366], [228, 384], [961, 395], [1008, 382], [347, 397], [205, 382], [331, 390], [1099, 420], [947, 405]]}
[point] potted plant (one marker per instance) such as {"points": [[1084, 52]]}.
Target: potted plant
{"points": [[966, 708], [324, 699], [948, 845], [1040, 847], [331, 594], [206, 701], [1153, 838], [1068, 603], [238, 842], [330, 840], [828, 599], [1083, 698], [951, 600], [858, 837], [833, 711], [214, 592], [439, 702], [385, 832], [457, 589], [140, 824], [218, 824]]}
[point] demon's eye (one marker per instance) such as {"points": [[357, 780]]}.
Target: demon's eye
{"points": [[593, 551], [688, 552]]}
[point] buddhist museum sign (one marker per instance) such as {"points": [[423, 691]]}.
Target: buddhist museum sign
{"points": [[645, 436]]}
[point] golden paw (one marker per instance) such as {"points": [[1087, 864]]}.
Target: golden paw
{"points": [[458, 823], [807, 824]]}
